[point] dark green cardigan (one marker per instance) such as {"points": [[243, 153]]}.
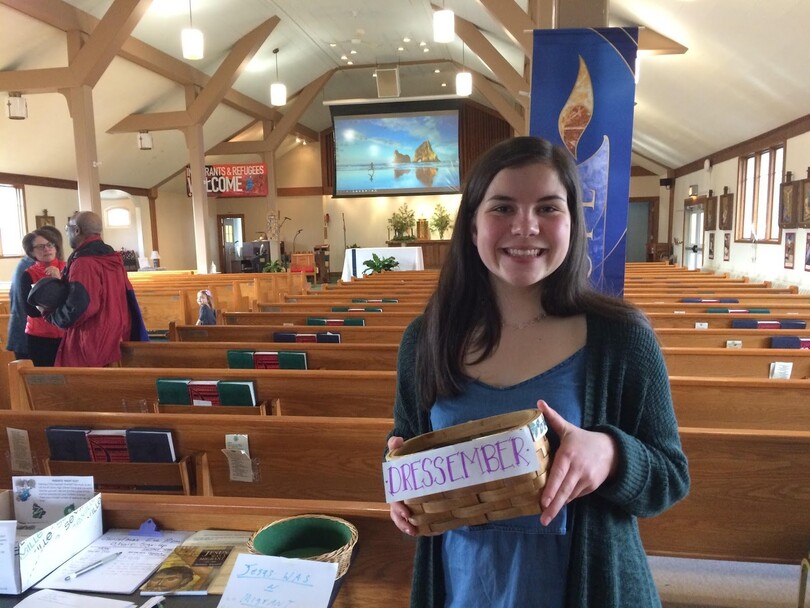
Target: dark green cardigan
{"points": [[626, 395]]}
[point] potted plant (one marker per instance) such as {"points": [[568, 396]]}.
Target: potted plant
{"points": [[378, 264], [402, 222], [274, 266], [440, 221]]}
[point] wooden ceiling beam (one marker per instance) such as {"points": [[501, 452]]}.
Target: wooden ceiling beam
{"points": [[230, 69], [504, 72], [106, 40], [516, 23], [501, 105], [302, 101]]}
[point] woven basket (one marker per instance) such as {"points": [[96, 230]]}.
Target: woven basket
{"points": [[321, 538], [484, 502]]}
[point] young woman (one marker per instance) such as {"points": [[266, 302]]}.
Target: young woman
{"points": [[514, 324], [208, 316], [44, 246]]}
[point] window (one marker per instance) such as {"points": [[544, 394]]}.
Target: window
{"points": [[760, 174], [118, 217], [12, 228]]}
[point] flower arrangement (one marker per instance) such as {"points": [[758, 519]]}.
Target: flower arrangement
{"points": [[402, 222], [440, 221]]}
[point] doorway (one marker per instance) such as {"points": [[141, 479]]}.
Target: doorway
{"points": [[693, 236], [638, 231], [230, 237]]}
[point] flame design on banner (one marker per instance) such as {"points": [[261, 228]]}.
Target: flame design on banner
{"points": [[577, 112], [582, 99]]}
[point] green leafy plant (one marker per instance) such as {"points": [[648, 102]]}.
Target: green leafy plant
{"points": [[402, 222], [378, 264], [440, 221], [274, 266]]}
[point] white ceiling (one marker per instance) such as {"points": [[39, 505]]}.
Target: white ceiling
{"points": [[744, 73]]}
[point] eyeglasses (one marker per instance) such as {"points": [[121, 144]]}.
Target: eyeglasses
{"points": [[44, 246], [70, 228]]}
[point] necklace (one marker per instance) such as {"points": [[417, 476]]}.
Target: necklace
{"points": [[525, 324]]}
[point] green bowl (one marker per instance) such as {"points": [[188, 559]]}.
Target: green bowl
{"points": [[301, 537]]}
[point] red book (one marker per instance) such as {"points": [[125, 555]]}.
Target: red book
{"points": [[768, 325], [306, 338], [203, 392], [108, 446], [266, 360]]}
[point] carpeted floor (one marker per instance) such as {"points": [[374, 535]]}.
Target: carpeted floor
{"points": [[687, 583]]}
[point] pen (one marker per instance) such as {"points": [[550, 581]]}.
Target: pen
{"points": [[93, 566]]}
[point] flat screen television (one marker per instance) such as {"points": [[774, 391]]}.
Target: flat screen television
{"points": [[391, 149]]}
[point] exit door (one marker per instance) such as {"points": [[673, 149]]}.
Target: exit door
{"points": [[693, 243], [230, 237]]}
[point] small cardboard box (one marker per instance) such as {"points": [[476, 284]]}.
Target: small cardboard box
{"points": [[26, 561]]}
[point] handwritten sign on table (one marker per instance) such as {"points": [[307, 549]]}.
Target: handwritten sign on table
{"points": [[278, 582]]}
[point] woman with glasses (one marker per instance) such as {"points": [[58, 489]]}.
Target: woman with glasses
{"points": [[44, 246]]}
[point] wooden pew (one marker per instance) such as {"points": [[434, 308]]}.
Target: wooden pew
{"points": [[774, 308], [754, 299], [380, 573], [325, 307], [741, 403], [264, 333], [311, 458], [714, 320], [747, 502], [365, 394], [732, 362], [748, 497], [215, 354], [717, 338], [372, 319]]}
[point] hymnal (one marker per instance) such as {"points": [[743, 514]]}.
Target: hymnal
{"points": [[150, 445], [68, 443], [108, 445]]}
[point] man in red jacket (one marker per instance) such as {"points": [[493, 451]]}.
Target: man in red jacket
{"points": [[97, 314]]}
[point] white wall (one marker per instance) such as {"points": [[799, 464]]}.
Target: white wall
{"points": [[761, 261]]}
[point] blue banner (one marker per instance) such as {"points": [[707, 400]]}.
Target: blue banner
{"points": [[583, 90]]}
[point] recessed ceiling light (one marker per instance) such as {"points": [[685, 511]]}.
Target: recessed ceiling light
{"points": [[400, 48], [426, 50], [350, 63], [333, 44], [406, 39], [444, 84], [436, 71], [423, 43], [352, 52], [343, 57]]}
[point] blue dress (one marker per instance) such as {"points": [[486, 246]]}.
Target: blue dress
{"points": [[208, 315], [514, 563]]}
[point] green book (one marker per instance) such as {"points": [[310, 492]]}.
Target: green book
{"points": [[240, 359], [356, 309], [173, 391], [272, 359], [325, 321], [237, 392], [292, 360]]}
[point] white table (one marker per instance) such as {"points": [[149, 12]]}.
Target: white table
{"points": [[409, 258]]}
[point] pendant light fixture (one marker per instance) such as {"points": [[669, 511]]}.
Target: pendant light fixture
{"points": [[191, 39], [463, 78], [444, 25], [278, 91]]}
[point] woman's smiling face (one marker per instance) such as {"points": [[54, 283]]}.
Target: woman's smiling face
{"points": [[522, 227]]}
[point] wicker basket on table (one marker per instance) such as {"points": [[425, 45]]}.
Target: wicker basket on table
{"points": [[308, 537], [484, 502]]}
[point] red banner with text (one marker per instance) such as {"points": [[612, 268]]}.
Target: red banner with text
{"points": [[230, 181]]}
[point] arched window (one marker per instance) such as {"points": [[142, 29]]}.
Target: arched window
{"points": [[118, 217]]}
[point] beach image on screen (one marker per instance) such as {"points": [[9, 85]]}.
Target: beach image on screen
{"points": [[408, 153]]}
